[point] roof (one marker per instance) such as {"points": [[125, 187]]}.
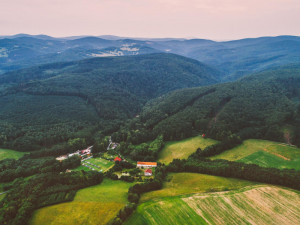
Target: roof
{"points": [[117, 159], [148, 171], [147, 163]]}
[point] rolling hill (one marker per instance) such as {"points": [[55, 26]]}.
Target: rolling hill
{"points": [[263, 105], [53, 102]]}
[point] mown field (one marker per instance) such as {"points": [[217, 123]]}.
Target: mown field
{"points": [[191, 183], [102, 163], [97, 164], [183, 149], [251, 205], [93, 205], [264, 153], [10, 154]]}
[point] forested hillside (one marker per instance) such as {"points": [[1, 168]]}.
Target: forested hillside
{"points": [[264, 105], [52, 103]]}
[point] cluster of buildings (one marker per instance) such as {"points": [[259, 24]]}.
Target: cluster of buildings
{"points": [[81, 153], [147, 166]]}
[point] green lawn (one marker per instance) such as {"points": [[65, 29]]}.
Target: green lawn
{"points": [[93, 205], [264, 153], [252, 205], [103, 163], [190, 183], [183, 149], [10, 154]]}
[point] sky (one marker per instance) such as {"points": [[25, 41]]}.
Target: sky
{"points": [[210, 19]]}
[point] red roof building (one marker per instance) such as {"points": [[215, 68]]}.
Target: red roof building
{"points": [[118, 159], [148, 172]]}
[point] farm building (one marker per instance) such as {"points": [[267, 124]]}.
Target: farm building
{"points": [[118, 159], [148, 172], [146, 164]]}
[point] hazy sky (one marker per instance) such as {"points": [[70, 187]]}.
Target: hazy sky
{"points": [[213, 19]]}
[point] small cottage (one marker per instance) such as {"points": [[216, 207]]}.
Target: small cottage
{"points": [[148, 172]]}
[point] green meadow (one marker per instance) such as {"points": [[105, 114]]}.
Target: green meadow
{"points": [[10, 154], [183, 149], [102, 163], [191, 183], [93, 205], [264, 153]]}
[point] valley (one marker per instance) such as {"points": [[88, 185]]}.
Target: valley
{"points": [[108, 130]]}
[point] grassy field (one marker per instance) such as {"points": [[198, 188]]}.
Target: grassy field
{"points": [[264, 153], [93, 205], [191, 183], [103, 163], [10, 154], [183, 149], [257, 205]]}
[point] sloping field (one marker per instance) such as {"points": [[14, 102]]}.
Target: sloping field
{"points": [[10, 154], [191, 183], [257, 205], [183, 149], [93, 205], [264, 153]]}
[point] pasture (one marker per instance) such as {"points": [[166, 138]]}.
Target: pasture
{"points": [[183, 149], [191, 183], [257, 205], [10, 154], [264, 153], [96, 164], [93, 205], [102, 163]]}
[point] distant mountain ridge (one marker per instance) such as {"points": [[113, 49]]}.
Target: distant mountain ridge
{"points": [[234, 58]]}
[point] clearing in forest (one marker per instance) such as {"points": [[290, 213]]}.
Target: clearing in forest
{"points": [[10, 154], [183, 149]]}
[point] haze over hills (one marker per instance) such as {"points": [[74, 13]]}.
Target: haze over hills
{"points": [[234, 58], [101, 93]]}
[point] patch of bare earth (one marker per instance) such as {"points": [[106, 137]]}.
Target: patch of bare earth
{"points": [[268, 205]]}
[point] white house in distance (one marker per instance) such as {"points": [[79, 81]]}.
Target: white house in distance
{"points": [[146, 164]]}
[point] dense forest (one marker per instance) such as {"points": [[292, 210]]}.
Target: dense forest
{"points": [[53, 103], [264, 105]]}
